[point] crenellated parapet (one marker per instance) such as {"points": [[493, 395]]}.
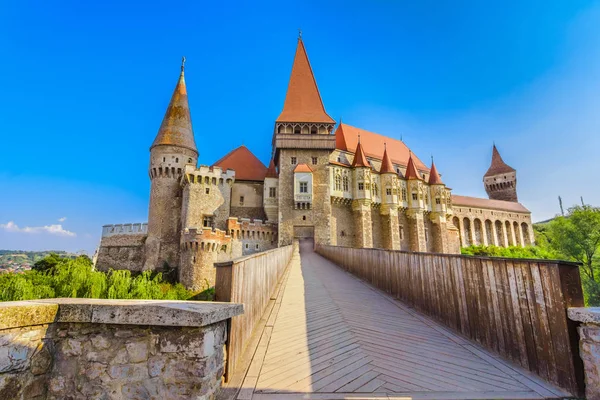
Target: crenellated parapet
{"points": [[125, 229], [206, 175], [247, 229], [205, 239]]}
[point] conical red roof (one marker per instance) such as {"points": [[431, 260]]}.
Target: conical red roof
{"points": [[303, 102], [176, 127], [245, 164], [359, 157], [411, 170], [271, 171], [498, 165], [434, 177], [386, 164]]}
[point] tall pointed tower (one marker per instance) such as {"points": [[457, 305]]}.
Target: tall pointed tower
{"points": [[173, 148], [500, 180], [303, 135]]}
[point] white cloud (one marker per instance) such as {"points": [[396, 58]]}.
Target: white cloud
{"points": [[57, 230], [63, 219]]}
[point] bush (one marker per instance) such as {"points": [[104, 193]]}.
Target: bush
{"points": [[534, 252], [57, 276]]}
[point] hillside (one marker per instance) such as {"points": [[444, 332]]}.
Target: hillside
{"points": [[19, 261]]}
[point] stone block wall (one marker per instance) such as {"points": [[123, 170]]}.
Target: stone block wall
{"points": [[589, 347], [121, 251], [112, 349]]}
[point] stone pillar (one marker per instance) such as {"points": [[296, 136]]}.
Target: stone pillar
{"points": [[494, 234], [589, 347], [361, 209], [416, 230], [461, 231], [391, 229], [484, 234], [439, 233]]}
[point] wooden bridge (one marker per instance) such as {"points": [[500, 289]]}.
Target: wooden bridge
{"points": [[326, 334]]}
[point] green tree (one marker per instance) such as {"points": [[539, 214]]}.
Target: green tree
{"points": [[46, 263], [577, 236]]}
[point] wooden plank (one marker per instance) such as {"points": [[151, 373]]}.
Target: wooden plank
{"points": [[517, 323]]}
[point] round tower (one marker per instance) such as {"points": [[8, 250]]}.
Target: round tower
{"points": [[500, 180], [173, 148]]}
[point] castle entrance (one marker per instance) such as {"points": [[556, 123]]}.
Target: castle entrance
{"points": [[304, 232]]}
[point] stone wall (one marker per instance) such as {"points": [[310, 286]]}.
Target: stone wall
{"points": [[252, 207], [589, 347], [112, 349], [121, 251]]}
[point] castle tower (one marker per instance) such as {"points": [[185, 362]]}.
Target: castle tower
{"points": [[361, 205], [303, 135], [439, 202], [500, 180], [389, 203], [416, 207], [173, 148]]}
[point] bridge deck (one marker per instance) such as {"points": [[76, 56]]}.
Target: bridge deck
{"points": [[332, 336]]}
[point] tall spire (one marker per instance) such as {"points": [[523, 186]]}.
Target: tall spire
{"points": [[498, 165], [359, 157], [303, 102], [411, 169], [386, 163], [434, 177], [176, 127]]}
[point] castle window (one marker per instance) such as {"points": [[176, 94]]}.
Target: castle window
{"points": [[207, 221], [314, 160], [164, 159], [241, 200], [304, 218], [338, 182], [339, 159], [272, 192], [207, 190], [313, 130], [438, 200], [403, 194], [256, 247], [177, 160], [297, 130], [415, 197], [247, 246], [345, 184], [361, 186], [294, 160], [280, 129], [343, 233], [388, 191], [374, 191], [401, 232], [189, 160], [179, 170], [303, 187]]}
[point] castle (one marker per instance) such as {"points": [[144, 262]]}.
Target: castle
{"points": [[329, 181]]}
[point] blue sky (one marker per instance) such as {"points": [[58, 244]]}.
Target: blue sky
{"points": [[84, 86]]}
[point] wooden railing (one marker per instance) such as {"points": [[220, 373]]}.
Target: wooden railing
{"points": [[517, 308], [251, 281]]}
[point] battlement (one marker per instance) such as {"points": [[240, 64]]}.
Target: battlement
{"points": [[204, 239], [125, 229], [208, 175], [245, 228]]}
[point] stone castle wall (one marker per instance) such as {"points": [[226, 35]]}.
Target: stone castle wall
{"points": [[252, 205], [51, 349], [319, 215], [121, 250]]}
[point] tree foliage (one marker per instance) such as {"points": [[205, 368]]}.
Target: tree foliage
{"points": [[64, 277], [533, 252]]}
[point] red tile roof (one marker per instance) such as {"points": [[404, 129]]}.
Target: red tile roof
{"points": [[176, 127], [411, 170], [359, 157], [498, 165], [271, 172], [245, 164], [386, 163], [302, 168], [434, 177], [346, 139], [303, 102], [489, 204]]}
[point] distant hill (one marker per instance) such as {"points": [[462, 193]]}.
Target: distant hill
{"points": [[19, 260]]}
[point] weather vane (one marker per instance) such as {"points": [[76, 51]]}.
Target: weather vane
{"points": [[299, 33], [182, 62]]}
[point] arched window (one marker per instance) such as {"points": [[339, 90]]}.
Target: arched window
{"points": [[297, 130], [313, 130], [280, 129], [403, 194], [345, 182]]}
